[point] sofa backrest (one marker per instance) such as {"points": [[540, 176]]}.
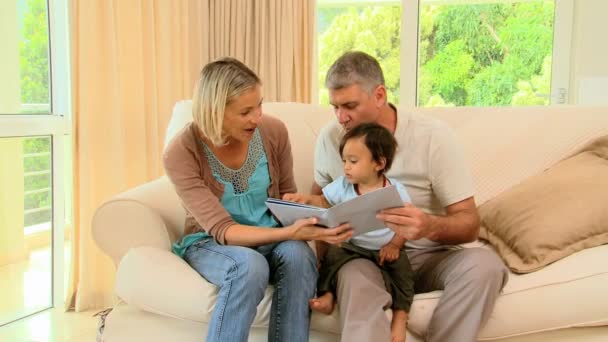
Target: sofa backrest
{"points": [[302, 120], [503, 145]]}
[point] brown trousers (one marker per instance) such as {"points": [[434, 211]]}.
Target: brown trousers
{"points": [[398, 275]]}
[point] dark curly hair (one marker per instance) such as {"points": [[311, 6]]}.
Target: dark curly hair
{"points": [[378, 140]]}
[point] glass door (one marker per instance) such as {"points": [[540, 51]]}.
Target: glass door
{"points": [[34, 124]]}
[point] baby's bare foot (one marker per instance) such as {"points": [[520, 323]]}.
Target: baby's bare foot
{"points": [[323, 304]]}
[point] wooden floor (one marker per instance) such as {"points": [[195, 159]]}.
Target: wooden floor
{"points": [[53, 325], [25, 287]]}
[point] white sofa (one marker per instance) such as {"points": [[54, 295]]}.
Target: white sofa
{"points": [[163, 299]]}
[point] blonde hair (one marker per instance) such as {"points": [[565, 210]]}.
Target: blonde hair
{"points": [[220, 82]]}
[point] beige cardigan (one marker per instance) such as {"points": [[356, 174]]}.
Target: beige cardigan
{"points": [[186, 166]]}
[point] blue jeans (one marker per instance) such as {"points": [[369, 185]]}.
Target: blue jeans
{"points": [[242, 274]]}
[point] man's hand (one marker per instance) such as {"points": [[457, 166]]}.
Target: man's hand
{"points": [[407, 221], [460, 224], [389, 253]]}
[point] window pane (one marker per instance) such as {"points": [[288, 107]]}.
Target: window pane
{"points": [[364, 26], [485, 54], [26, 226], [24, 62]]}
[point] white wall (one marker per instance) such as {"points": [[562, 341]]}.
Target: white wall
{"points": [[589, 53]]}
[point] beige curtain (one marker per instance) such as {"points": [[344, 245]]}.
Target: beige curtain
{"points": [[131, 60], [274, 37]]}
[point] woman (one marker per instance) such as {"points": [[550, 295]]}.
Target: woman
{"points": [[224, 166]]}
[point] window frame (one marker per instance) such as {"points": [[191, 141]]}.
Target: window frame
{"points": [[58, 125], [560, 68]]}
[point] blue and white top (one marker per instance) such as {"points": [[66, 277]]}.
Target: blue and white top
{"points": [[245, 191], [341, 190]]}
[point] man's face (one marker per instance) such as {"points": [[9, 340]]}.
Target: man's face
{"points": [[353, 105], [242, 116]]}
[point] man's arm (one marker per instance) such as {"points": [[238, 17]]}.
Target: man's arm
{"points": [[460, 224]]}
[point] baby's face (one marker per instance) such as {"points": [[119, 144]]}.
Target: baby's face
{"points": [[359, 166]]}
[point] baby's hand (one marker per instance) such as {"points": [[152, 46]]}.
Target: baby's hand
{"points": [[300, 198], [389, 253]]}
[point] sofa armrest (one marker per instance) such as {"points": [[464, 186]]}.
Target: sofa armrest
{"points": [[159, 281], [121, 224], [147, 215]]}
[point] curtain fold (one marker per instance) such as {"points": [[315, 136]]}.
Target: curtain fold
{"points": [[273, 37], [131, 61]]}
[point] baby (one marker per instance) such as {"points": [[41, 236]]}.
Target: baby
{"points": [[367, 151]]}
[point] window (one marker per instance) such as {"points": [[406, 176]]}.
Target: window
{"points": [[34, 136], [26, 58], [454, 53], [372, 27]]}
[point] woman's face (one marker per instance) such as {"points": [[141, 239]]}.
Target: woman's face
{"points": [[242, 115]]}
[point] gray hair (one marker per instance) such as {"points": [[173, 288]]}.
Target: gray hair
{"points": [[354, 67], [220, 83]]}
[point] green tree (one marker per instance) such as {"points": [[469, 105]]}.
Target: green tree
{"points": [[35, 88], [535, 91], [507, 42], [469, 54], [449, 71], [34, 51], [374, 30], [37, 158]]}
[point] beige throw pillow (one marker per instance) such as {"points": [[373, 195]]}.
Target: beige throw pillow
{"points": [[552, 215]]}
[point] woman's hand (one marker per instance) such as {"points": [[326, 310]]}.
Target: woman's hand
{"points": [[305, 229], [300, 198]]}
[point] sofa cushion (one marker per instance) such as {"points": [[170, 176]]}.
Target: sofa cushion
{"points": [[552, 215], [576, 283]]}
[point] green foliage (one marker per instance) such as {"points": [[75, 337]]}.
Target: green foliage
{"points": [[37, 158], [495, 84], [34, 48], [437, 101], [471, 54], [449, 71], [35, 88], [528, 34], [508, 43], [374, 30], [528, 91], [473, 24], [428, 16]]}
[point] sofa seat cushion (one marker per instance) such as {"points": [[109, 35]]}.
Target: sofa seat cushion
{"points": [[567, 293]]}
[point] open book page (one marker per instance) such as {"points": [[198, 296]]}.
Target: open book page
{"points": [[360, 211], [289, 212]]}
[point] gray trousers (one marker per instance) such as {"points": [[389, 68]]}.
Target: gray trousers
{"points": [[471, 280]]}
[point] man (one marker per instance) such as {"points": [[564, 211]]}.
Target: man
{"points": [[442, 213]]}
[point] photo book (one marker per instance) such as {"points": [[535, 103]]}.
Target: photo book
{"points": [[360, 211]]}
